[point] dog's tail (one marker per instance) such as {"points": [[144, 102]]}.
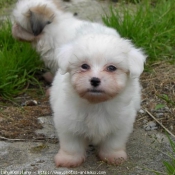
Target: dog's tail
{"points": [[30, 17]]}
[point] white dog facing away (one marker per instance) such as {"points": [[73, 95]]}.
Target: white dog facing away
{"points": [[45, 26], [96, 93]]}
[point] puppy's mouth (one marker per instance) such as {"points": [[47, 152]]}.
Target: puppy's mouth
{"points": [[95, 91], [95, 95]]}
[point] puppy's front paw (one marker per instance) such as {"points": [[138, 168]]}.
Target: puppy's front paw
{"points": [[65, 159], [115, 157]]}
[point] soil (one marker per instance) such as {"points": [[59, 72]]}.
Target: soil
{"points": [[17, 122], [159, 94]]}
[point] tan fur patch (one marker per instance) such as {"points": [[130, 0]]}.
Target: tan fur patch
{"points": [[44, 11], [56, 4]]}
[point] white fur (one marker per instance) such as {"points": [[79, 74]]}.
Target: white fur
{"points": [[67, 43], [106, 124]]}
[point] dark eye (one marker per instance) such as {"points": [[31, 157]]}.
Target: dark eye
{"points": [[111, 68], [85, 66]]}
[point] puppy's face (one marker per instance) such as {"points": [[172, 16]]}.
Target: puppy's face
{"points": [[98, 82], [100, 66], [31, 18]]}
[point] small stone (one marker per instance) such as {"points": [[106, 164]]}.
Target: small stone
{"points": [[145, 121], [40, 161], [144, 126], [160, 111], [141, 111], [171, 127], [148, 128], [167, 108], [52, 136], [154, 128], [30, 103], [151, 124], [41, 120], [159, 115]]}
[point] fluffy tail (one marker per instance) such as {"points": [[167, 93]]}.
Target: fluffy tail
{"points": [[31, 17]]}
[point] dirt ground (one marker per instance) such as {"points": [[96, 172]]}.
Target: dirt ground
{"points": [[159, 94]]}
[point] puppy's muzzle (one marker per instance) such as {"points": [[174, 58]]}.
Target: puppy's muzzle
{"points": [[95, 81]]}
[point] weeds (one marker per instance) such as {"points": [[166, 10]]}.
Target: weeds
{"points": [[169, 165], [166, 98], [18, 63], [4, 4], [151, 27], [159, 106]]}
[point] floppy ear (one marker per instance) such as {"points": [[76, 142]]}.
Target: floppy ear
{"points": [[22, 34], [136, 59], [63, 55]]}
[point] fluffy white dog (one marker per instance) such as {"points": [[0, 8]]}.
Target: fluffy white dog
{"points": [[95, 95], [46, 26]]}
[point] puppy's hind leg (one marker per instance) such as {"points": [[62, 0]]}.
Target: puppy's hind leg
{"points": [[72, 150]]}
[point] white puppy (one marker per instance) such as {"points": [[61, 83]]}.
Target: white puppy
{"points": [[95, 95], [97, 98]]}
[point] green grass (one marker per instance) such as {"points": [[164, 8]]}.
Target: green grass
{"points": [[169, 165], [151, 27], [4, 5], [18, 64]]}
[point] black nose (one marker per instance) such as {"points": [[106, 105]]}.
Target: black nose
{"points": [[95, 81]]}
